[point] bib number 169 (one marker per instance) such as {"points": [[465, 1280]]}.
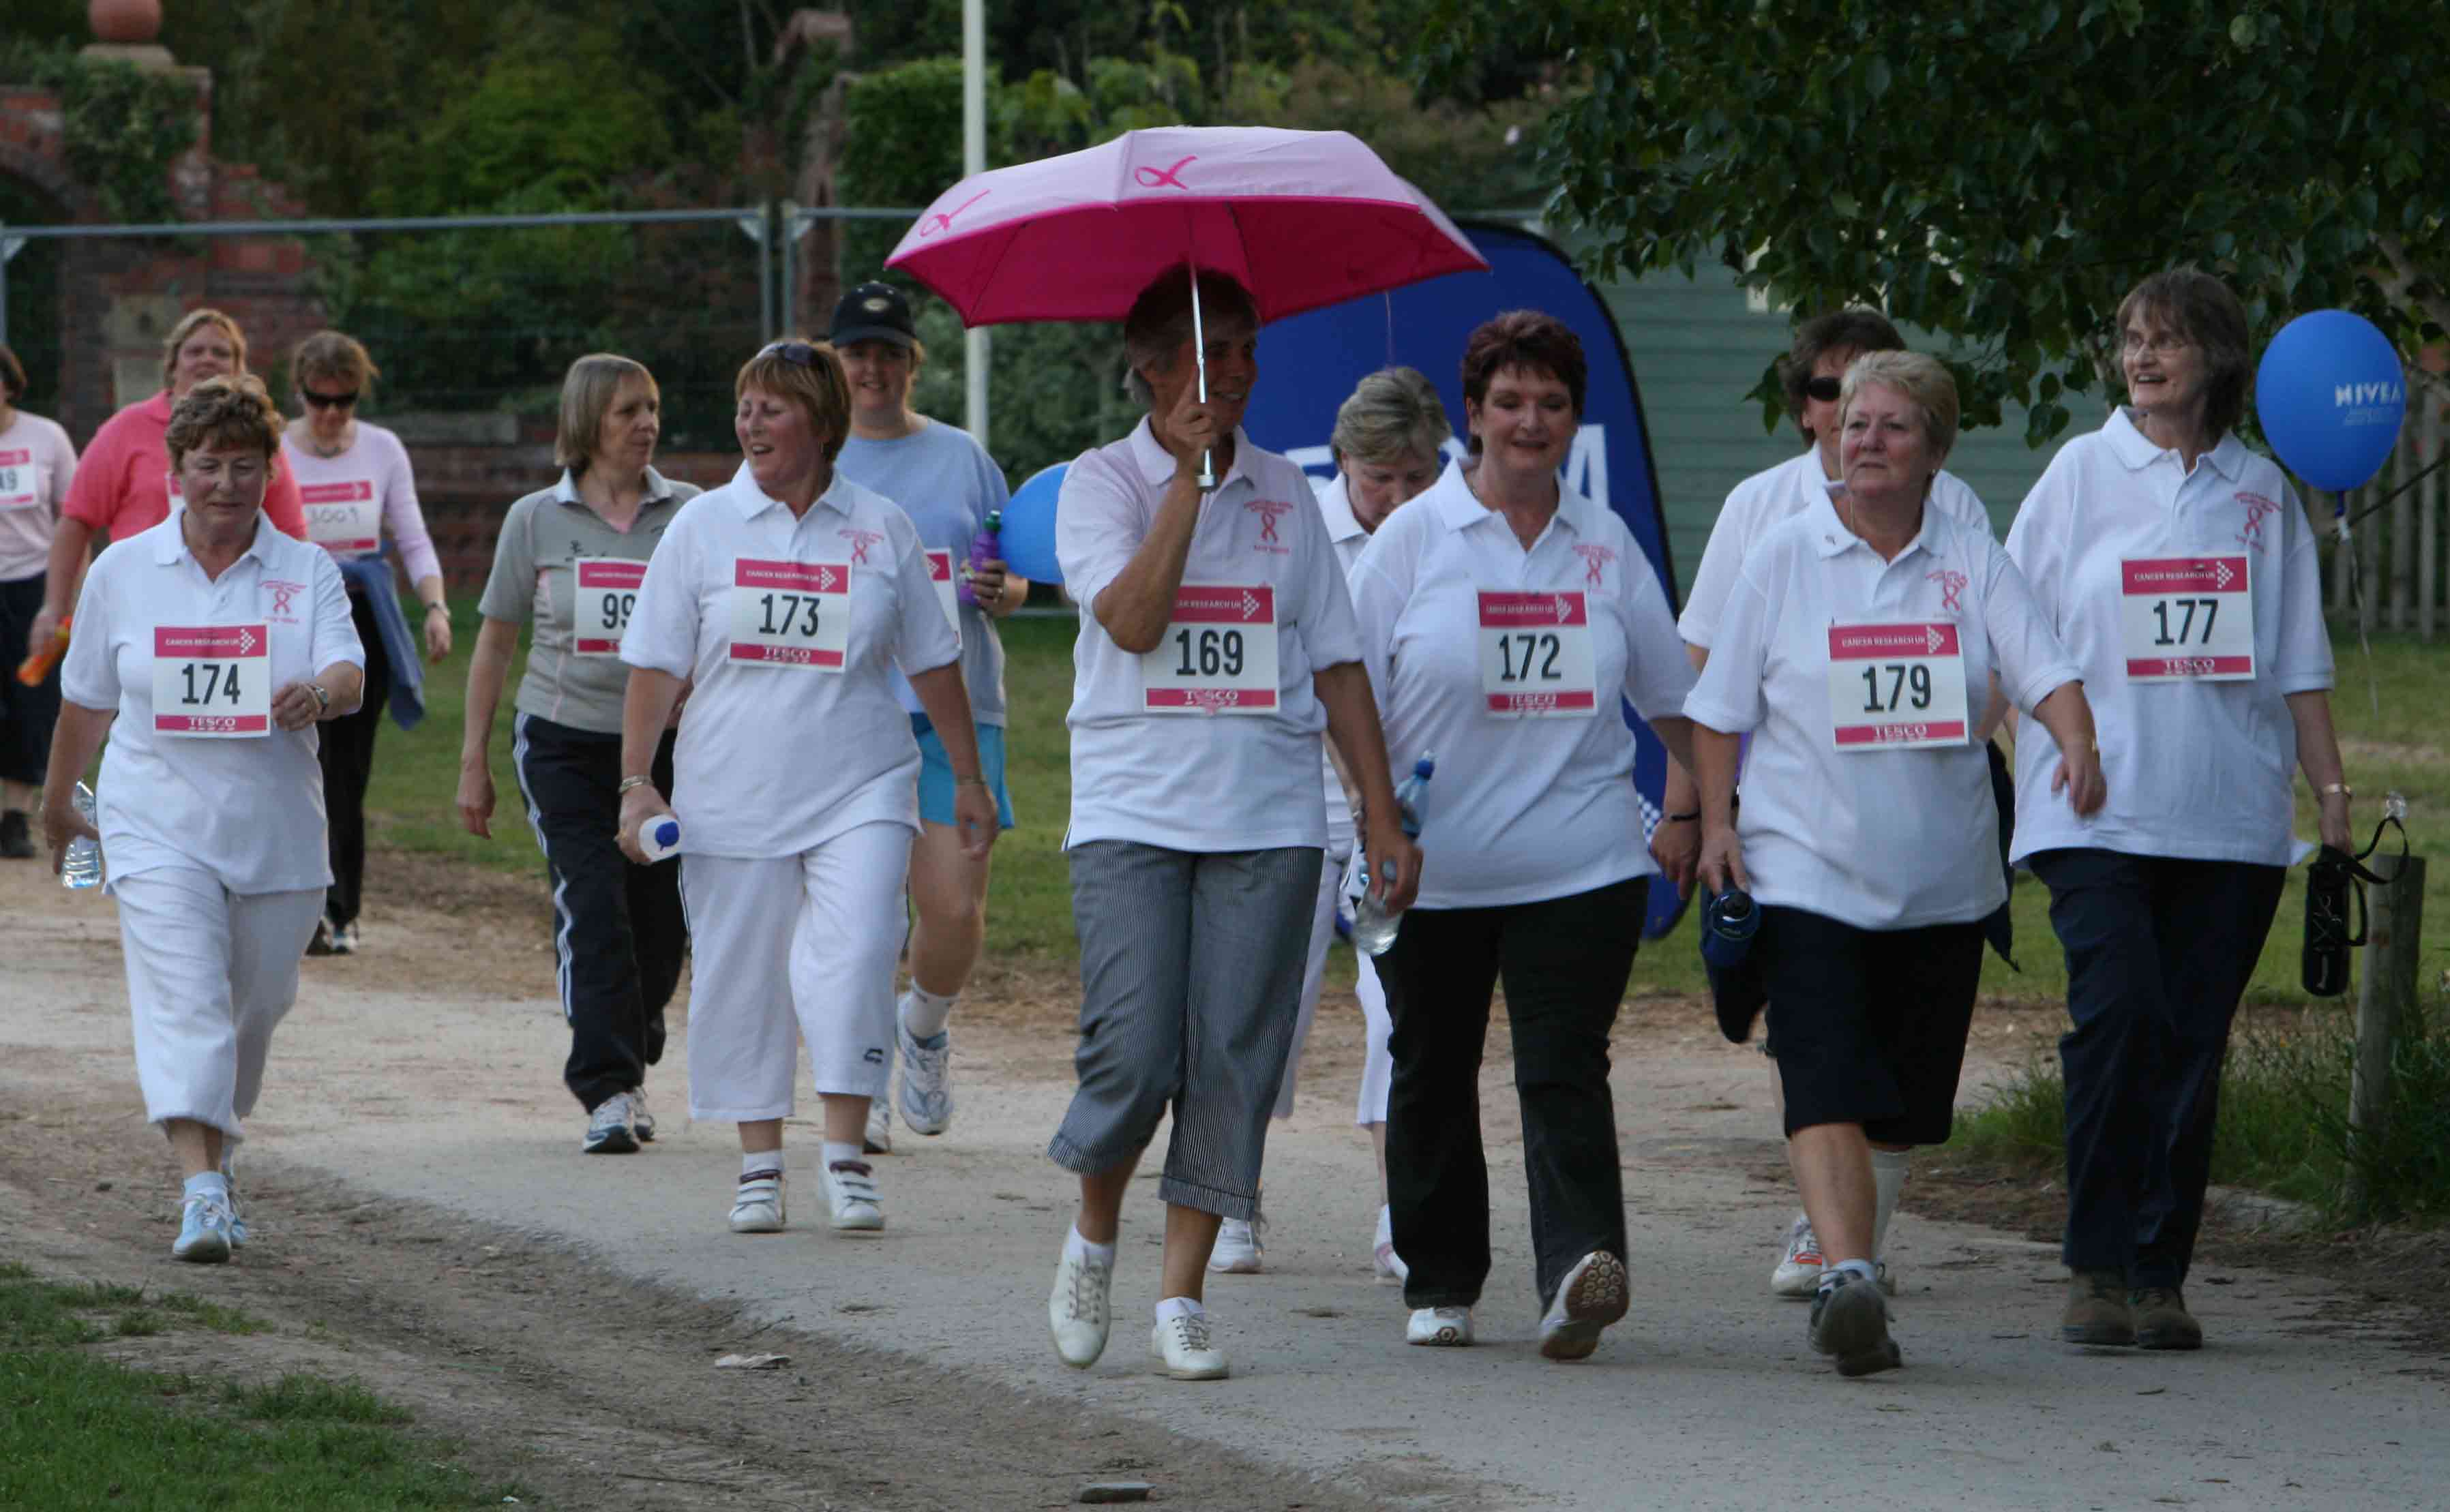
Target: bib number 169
{"points": [[1207, 652]]}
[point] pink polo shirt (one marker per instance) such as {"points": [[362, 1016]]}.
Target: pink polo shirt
{"points": [[123, 481]]}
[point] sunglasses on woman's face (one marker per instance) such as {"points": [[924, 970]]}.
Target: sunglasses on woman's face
{"points": [[1824, 389], [329, 401]]}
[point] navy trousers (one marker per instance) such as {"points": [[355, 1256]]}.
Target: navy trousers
{"points": [[2158, 953]]}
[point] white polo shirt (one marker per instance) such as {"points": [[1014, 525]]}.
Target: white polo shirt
{"points": [[1522, 806], [1764, 501], [2197, 768], [248, 809], [1345, 534], [781, 749], [1192, 780], [1878, 838]]}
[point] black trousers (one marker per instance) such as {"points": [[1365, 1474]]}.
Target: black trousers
{"points": [[617, 926], [27, 714], [2158, 951], [1565, 962], [347, 750]]}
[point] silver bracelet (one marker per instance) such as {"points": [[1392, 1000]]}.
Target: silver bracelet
{"points": [[628, 783]]}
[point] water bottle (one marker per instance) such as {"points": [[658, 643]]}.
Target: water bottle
{"points": [[984, 548], [1374, 926], [661, 836], [1727, 928], [81, 866]]}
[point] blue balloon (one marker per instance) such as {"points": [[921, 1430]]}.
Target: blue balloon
{"points": [[2330, 394], [1028, 534]]}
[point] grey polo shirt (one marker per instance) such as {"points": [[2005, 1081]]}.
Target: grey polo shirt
{"points": [[535, 582]]}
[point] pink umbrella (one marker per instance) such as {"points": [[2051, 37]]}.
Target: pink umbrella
{"points": [[1301, 218]]}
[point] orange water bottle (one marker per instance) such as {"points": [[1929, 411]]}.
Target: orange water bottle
{"points": [[40, 661]]}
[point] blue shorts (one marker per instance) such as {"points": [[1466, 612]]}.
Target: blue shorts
{"points": [[936, 772]]}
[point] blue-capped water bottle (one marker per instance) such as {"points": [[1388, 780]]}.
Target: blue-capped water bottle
{"points": [[1727, 928], [1374, 924], [81, 866], [660, 836]]}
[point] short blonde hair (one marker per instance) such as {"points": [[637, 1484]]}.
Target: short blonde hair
{"points": [[588, 390], [333, 358], [189, 325], [225, 412], [809, 373], [1924, 381], [1394, 413]]}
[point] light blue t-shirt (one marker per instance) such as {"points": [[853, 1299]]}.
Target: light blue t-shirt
{"points": [[946, 483]]}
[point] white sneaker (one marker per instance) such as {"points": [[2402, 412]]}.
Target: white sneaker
{"points": [[608, 1128], [757, 1205], [1240, 1251], [1182, 1344], [879, 1138], [1798, 1269], [927, 1079], [850, 1190], [1076, 1313], [1451, 1327], [203, 1230], [1389, 1266], [642, 1123], [1591, 1297]]}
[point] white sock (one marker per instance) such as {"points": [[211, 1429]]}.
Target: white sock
{"points": [[1385, 1226], [923, 1013], [1179, 1308], [206, 1182], [1832, 1275], [1076, 1248], [754, 1161], [837, 1152], [1889, 1168]]}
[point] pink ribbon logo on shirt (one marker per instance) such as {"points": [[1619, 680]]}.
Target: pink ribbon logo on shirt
{"points": [[1269, 510], [2258, 509], [283, 595], [1952, 583], [860, 542], [1595, 559]]}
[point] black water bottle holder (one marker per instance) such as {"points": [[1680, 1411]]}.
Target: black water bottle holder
{"points": [[2334, 883]]}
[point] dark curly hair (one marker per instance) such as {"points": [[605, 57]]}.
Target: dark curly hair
{"points": [[1529, 339]]}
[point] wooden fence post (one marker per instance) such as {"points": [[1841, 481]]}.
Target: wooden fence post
{"points": [[2410, 457], [2386, 999]]}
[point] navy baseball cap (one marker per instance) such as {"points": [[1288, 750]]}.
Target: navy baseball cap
{"points": [[873, 312]]}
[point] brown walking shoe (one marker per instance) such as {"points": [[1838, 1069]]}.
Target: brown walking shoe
{"points": [[2162, 1321], [2096, 1310]]}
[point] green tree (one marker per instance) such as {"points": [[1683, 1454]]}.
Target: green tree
{"points": [[2002, 170]]}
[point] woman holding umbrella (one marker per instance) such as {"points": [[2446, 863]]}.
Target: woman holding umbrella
{"points": [[1217, 645]]}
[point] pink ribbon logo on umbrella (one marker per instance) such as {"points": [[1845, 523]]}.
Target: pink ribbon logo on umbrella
{"points": [[943, 222], [1148, 178]]}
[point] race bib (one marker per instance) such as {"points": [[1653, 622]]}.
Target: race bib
{"points": [[343, 518], [20, 485], [1535, 656], [794, 614], [1896, 687], [939, 573], [2187, 619], [605, 590], [1218, 655], [212, 681]]}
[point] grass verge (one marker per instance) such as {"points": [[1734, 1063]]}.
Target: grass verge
{"points": [[79, 1430]]}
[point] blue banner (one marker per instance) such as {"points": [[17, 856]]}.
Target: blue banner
{"points": [[1310, 363]]}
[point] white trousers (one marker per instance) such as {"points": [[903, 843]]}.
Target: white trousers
{"points": [[792, 948], [1377, 1066], [210, 973]]}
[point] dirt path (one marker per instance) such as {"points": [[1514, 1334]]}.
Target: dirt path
{"points": [[418, 1194]]}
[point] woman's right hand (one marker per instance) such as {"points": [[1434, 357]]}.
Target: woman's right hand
{"points": [[63, 824], [477, 799], [1722, 862], [638, 805], [1190, 432]]}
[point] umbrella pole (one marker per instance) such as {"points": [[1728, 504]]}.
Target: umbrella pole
{"points": [[1199, 359]]}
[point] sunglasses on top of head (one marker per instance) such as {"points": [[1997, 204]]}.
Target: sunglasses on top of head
{"points": [[799, 352], [329, 401]]}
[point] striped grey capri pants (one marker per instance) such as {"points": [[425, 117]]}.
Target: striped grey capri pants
{"points": [[1191, 975]]}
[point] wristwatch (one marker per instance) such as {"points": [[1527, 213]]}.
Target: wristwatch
{"points": [[2341, 789]]}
